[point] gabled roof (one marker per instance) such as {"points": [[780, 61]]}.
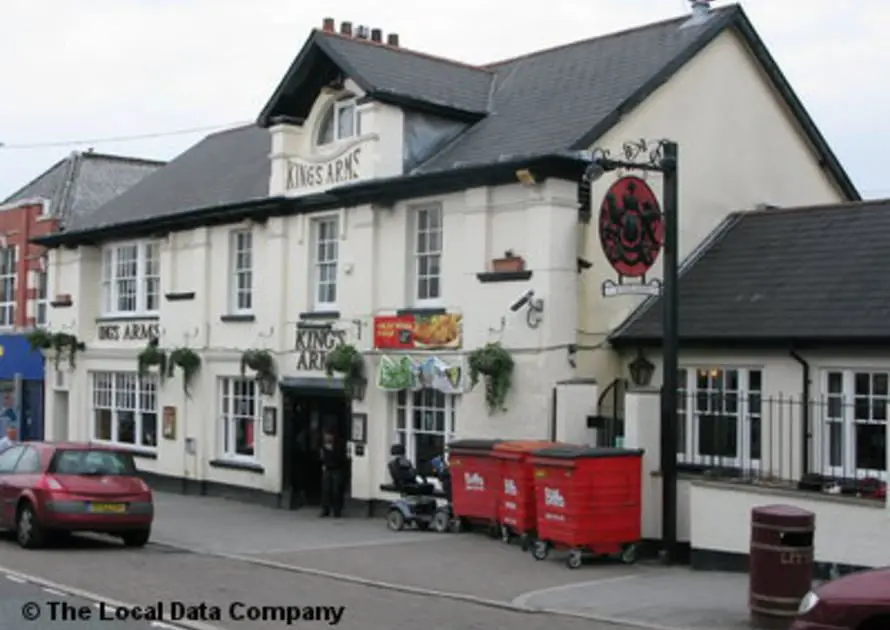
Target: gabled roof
{"points": [[79, 184], [792, 276], [560, 99], [226, 167], [544, 106]]}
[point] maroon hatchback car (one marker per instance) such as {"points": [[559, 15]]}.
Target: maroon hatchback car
{"points": [[49, 488], [859, 601]]}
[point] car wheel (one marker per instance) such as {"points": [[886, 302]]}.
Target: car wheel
{"points": [[28, 532], [138, 538]]}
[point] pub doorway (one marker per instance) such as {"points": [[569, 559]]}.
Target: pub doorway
{"points": [[306, 415]]}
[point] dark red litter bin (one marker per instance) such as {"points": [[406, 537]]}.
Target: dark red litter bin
{"points": [[475, 480], [588, 500], [516, 496]]}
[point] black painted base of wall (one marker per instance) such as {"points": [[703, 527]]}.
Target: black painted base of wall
{"points": [[193, 487], [710, 560]]}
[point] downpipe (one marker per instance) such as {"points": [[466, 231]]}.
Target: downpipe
{"points": [[805, 409]]}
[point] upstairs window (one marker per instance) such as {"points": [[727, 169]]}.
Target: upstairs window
{"points": [[340, 122], [428, 254], [241, 283], [326, 235], [131, 279], [42, 290], [8, 276]]}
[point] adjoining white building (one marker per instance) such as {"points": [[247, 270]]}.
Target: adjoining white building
{"points": [[400, 204]]}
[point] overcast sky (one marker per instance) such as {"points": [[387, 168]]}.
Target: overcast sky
{"points": [[95, 69]]}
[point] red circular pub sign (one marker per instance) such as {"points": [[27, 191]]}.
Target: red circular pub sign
{"points": [[631, 227]]}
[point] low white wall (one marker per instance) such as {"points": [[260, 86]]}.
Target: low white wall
{"points": [[848, 531]]}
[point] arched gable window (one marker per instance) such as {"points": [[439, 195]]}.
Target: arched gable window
{"points": [[339, 122]]}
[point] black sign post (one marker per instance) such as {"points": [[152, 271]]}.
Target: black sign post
{"points": [[660, 157]]}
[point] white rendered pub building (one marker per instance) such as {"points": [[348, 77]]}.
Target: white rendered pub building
{"points": [[390, 215]]}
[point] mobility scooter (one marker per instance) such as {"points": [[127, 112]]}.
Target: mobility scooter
{"points": [[420, 503]]}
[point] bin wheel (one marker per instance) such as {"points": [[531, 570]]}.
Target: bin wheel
{"points": [[494, 530], [505, 535], [525, 542], [457, 526], [441, 522], [541, 550], [575, 559], [629, 554], [395, 520]]}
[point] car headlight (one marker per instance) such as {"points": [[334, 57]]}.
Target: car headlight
{"points": [[808, 603]]}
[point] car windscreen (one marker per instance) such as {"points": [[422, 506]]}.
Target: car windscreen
{"points": [[92, 462]]}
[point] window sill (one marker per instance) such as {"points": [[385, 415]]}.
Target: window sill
{"points": [[235, 319], [503, 276], [422, 311], [320, 315], [180, 296], [128, 317], [236, 465]]}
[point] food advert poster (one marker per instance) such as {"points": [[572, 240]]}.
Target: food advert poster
{"points": [[418, 332]]}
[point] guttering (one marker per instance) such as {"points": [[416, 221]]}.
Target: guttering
{"points": [[805, 413], [384, 191]]}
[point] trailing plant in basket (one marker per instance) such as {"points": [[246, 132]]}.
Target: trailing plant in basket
{"points": [[493, 363], [189, 362], [263, 363], [61, 344], [152, 356], [346, 359]]}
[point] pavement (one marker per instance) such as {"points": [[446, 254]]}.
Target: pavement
{"points": [[468, 567]]}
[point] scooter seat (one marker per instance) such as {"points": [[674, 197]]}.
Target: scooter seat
{"points": [[420, 490]]}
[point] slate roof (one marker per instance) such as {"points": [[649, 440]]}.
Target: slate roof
{"points": [[226, 167], [791, 276], [81, 183], [545, 105]]}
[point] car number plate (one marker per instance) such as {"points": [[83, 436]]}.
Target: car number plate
{"points": [[108, 508]]}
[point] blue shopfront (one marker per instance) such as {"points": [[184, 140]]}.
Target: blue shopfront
{"points": [[21, 388]]}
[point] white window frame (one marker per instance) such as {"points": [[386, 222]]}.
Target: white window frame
{"points": [[425, 298], [41, 290], [229, 417], [144, 280], [330, 262], [241, 293], [120, 392], [406, 405], [842, 408], [717, 399], [339, 108], [9, 264]]}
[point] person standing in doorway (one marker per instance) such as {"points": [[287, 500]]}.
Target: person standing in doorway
{"points": [[333, 463]]}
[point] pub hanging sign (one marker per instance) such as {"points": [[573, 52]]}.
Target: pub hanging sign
{"points": [[631, 234], [314, 344]]}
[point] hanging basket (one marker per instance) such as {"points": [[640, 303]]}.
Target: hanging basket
{"points": [[346, 359], [495, 365], [189, 362]]}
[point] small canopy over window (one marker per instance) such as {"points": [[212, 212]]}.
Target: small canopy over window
{"points": [[339, 122]]}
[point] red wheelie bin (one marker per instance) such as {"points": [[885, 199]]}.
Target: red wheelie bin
{"points": [[588, 501], [516, 496], [475, 479]]}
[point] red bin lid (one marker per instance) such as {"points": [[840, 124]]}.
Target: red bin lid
{"points": [[569, 451], [472, 446]]}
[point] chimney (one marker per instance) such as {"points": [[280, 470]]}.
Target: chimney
{"points": [[392, 40], [701, 13], [376, 35], [346, 29], [361, 32], [327, 25]]}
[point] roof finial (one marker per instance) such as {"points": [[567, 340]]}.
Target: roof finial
{"points": [[701, 13]]}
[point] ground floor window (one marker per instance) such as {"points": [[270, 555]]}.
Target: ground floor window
{"points": [[719, 417], [125, 408], [425, 423], [854, 423], [239, 414]]}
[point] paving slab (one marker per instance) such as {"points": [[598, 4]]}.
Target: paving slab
{"points": [[216, 525], [466, 563], [671, 597]]}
